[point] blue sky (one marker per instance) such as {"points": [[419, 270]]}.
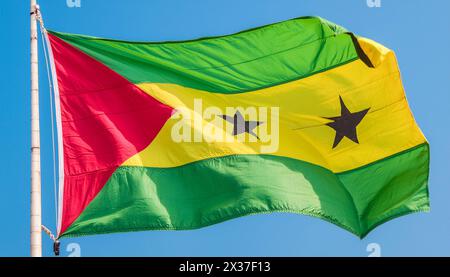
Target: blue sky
{"points": [[418, 30]]}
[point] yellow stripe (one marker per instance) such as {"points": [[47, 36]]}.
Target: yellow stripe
{"points": [[388, 128]]}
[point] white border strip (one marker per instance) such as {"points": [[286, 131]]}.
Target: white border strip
{"points": [[59, 134]]}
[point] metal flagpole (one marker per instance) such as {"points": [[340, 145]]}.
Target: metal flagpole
{"points": [[35, 235]]}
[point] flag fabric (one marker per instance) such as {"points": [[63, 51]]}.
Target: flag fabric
{"points": [[300, 116]]}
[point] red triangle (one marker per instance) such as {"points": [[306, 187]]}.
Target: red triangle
{"points": [[105, 120]]}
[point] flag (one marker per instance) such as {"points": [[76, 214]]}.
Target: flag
{"points": [[299, 116]]}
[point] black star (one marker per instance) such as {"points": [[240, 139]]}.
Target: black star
{"points": [[345, 125], [240, 125]]}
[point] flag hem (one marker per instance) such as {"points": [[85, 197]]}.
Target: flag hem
{"points": [[59, 134], [244, 214]]}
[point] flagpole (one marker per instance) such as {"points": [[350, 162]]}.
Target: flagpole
{"points": [[35, 228]]}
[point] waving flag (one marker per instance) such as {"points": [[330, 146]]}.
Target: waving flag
{"points": [[299, 116]]}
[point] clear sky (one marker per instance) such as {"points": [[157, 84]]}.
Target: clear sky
{"points": [[418, 30]]}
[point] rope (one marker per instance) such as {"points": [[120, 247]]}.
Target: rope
{"points": [[44, 47], [49, 233], [56, 242]]}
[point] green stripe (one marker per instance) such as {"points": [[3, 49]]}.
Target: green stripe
{"points": [[211, 191], [241, 62]]}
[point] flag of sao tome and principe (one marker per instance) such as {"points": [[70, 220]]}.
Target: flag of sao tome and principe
{"points": [[300, 116]]}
